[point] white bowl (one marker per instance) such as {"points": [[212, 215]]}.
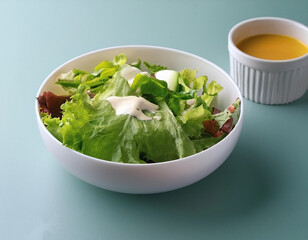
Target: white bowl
{"points": [[145, 178], [268, 81]]}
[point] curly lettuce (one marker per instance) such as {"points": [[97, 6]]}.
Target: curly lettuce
{"points": [[183, 125]]}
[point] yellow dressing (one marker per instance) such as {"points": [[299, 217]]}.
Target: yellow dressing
{"points": [[273, 47]]}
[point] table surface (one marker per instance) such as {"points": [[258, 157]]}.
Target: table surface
{"points": [[260, 192]]}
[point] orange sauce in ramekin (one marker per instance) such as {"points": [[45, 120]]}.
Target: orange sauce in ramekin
{"points": [[273, 47]]}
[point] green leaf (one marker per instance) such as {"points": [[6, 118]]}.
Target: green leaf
{"points": [[76, 119], [207, 142], [213, 88], [193, 128], [175, 105], [237, 103], [150, 85], [199, 82], [188, 76], [91, 127], [86, 77], [68, 75], [152, 69], [97, 72], [223, 116], [53, 125], [183, 95], [79, 72], [117, 86], [104, 75], [137, 64], [210, 92], [198, 113], [104, 64], [68, 84], [120, 59], [69, 81]]}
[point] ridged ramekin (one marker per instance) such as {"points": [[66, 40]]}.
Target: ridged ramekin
{"points": [[268, 81]]}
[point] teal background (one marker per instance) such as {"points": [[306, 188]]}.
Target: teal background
{"points": [[260, 192]]}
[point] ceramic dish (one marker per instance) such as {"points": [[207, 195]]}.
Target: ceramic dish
{"points": [[145, 178], [268, 81]]}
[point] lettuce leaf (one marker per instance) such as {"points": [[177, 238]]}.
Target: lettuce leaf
{"points": [[126, 139], [150, 85], [96, 80], [91, 127], [53, 125], [223, 116], [210, 92], [192, 120], [206, 142], [154, 68]]}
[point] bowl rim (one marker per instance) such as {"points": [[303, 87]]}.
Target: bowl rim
{"points": [[233, 47], [140, 165]]}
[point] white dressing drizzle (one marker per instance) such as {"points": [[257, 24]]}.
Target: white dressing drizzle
{"points": [[129, 73], [132, 106]]}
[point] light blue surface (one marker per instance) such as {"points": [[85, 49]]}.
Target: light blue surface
{"points": [[260, 192]]}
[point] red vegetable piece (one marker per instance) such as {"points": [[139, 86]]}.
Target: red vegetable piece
{"points": [[50, 103], [211, 126], [231, 108], [227, 127], [215, 110], [218, 134]]}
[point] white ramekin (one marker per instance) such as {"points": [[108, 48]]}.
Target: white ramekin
{"points": [[268, 81]]}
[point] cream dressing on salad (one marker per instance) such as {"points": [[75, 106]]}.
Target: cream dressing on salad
{"points": [[129, 73], [132, 106]]}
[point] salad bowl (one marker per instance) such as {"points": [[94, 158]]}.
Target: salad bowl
{"points": [[151, 177]]}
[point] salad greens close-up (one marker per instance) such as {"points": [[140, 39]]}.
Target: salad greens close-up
{"points": [[137, 112]]}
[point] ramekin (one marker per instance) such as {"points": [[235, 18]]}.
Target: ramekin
{"points": [[268, 81]]}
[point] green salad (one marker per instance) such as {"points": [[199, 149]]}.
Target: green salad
{"points": [[137, 112]]}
